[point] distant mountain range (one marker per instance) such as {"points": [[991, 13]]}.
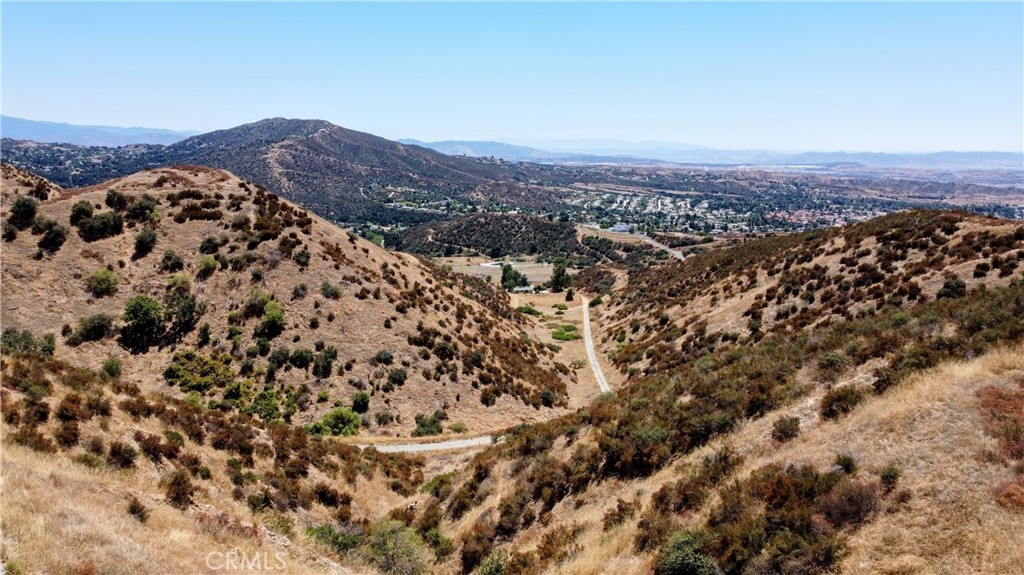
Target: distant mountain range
{"points": [[113, 136], [616, 152]]}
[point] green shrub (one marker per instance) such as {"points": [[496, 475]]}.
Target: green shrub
{"points": [[192, 371], [330, 291], [339, 541], [111, 366], [890, 476], [121, 455], [428, 424], [23, 212], [24, 343], [53, 238], [98, 227], [171, 262], [116, 200], [301, 358], [952, 288], [383, 357], [361, 402], [528, 310], [144, 322], [397, 376], [81, 210], [395, 549], [206, 266], [145, 241], [847, 462], [684, 556], [92, 328], [102, 283], [272, 322], [338, 421]]}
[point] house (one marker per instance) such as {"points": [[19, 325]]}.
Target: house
{"points": [[522, 289], [621, 227]]}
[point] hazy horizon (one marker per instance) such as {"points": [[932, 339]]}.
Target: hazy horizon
{"points": [[895, 78]]}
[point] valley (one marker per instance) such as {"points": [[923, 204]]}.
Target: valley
{"points": [[618, 378]]}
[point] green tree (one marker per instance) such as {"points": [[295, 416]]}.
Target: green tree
{"points": [[80, 211], [23, 212], [144, 242], [272, 323], [144, 323], [512, 278], [101, 282], [361, 402], [560, 279]]}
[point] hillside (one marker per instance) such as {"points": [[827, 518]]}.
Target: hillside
{"points": [[877, 435], [287, 302], [888, 443]]}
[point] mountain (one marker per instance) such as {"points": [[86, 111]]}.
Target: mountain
{"points": [[112, 136], [342, 174]]}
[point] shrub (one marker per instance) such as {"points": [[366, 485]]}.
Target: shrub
{"points": [[210, 245], [338, 421], [68, 433], [121, 455], [101, 226], [476, 545], [302, 258], [102, 283], [847, 462], [23, 212], [383, 357], [179, 488], [81, 210], [144, 322], [890, 476], [172, 262], [684, 556], [301, 358], [116, 200], [361, 402], [839, 401], [111, 366], [299, 291], [330, 291], [24, 343], [848, 503], [272, 322], [145, 240], [53, 238], [428, 424], [341, 541], [785, 428], [10, 233], [952, 288], [395, 548], [92, 328], [206, 266], [137, 510], [397, 376]]}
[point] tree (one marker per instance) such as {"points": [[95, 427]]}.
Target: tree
{"points": [[23, 212], [684, 556], [272, 323], [80, 211], [144, 323], [53, 238], [512, 278], [560, 279], [144, 242], [952, 288]]}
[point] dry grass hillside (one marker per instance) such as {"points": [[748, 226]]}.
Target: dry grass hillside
{"points": [[675, 313], [18, 182], [223, 257], [862, 444]]}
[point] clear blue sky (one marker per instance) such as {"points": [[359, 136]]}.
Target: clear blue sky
{"points": [[878, 77]]}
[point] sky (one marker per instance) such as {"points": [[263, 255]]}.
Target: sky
{"points": [[883, 77]]}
